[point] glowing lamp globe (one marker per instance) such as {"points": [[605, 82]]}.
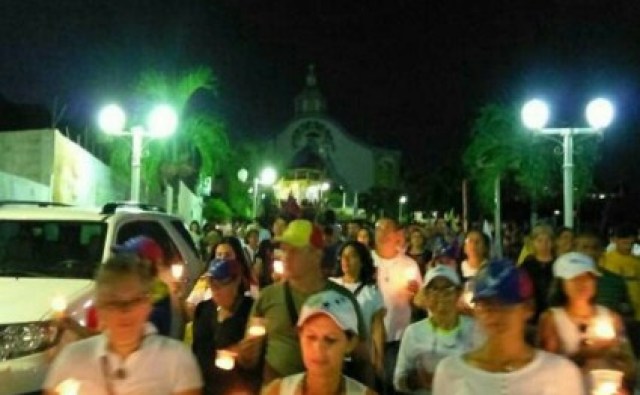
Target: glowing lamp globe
{"points": [[111, 119], [268, 176], [162, 121], [599, 113], [535, 114]]}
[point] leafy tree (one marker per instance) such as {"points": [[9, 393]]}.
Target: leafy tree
{"points": [[216, 210]]}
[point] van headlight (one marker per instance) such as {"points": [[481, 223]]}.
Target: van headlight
{"points": [[18, 340]]}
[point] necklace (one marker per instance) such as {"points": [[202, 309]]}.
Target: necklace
{"points": [[502, 366], [341, 387]]}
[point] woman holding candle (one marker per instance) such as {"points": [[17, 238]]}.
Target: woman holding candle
{"points": [[218, 325], [505, 363], [443, 333], [591, 335], [328, 332], [357, 274]]}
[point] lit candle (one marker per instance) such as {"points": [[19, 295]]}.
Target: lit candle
{"points": [[467, 295], [605, 381], [278, 267], [59, 305], [177, 269], [257, 327], [225, 359], [68, 387], [603, 328]]}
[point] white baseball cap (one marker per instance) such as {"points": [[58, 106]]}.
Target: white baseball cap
{"points": [[573, 264], [334, 305], [441, 271]]}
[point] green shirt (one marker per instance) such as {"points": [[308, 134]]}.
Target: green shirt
{"points": [[612, 293], [283, 347]]}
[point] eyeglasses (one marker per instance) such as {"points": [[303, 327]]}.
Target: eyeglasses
{"points": [[123, 304], [493, 306], [447, 292]]}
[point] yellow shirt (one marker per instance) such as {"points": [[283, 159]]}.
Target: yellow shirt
{"points": [[628, 267]]}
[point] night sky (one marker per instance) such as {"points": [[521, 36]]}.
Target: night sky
{"points": [[399, 73]]}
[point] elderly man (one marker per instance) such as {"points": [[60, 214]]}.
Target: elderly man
{"points": [[128, 357], [279, 304]]}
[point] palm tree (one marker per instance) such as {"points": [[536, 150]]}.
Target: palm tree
{"points": [[502, 148]]}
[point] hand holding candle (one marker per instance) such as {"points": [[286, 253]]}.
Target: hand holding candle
{"points": [[68, 387], [257, 327]]}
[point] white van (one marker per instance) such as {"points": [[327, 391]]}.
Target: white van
{"points": [[49, 254]]}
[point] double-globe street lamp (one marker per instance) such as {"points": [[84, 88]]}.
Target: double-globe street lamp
{"points": [[161, 122], [535, 115]]}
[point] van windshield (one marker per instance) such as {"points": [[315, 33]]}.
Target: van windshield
{"points": [[58, 249]]}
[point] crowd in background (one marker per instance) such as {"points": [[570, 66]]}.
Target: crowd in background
{"points": [[424, 308]]}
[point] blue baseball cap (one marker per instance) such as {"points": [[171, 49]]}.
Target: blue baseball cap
{"points": [[502, 280], [223, 270]]}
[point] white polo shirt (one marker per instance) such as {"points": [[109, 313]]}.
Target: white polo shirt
{"points": [[393, 278], [161, 366], [547, 374]]}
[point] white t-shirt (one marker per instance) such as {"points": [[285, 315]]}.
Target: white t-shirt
{"points": [[547, 374], [369, 298], [423, 346], [393, 278], [161, 366]]}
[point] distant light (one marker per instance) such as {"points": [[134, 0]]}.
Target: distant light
{"points": [[243, 175], [599, 113], [602, 196], [556, 212], [403, 199], [268, 176], [111, 119], [162, 121], [535, 114]]}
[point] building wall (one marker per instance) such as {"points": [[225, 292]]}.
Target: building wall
{"points": [[353, 161], [52, 161]]}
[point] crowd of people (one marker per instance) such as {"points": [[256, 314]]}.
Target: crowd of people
{"points": [[320, 308]]}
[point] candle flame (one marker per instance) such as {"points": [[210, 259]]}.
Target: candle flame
{"points": [[603, 329], [225, 360], [278, 267], [177, 269], [59, 304]]}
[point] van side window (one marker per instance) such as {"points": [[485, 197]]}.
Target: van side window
{"points": [[153, 230]]}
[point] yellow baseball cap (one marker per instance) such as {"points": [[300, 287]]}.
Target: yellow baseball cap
{"points": [[301, 233]]}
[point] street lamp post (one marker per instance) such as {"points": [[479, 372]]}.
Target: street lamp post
{"points": [[599, 114], [161, 122], [401, 202], [267, 177]]}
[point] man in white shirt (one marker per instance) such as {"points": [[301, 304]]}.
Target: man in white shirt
{"points": [[398, 278]]}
